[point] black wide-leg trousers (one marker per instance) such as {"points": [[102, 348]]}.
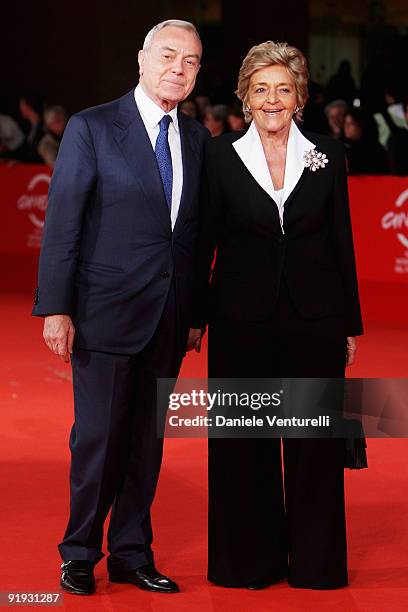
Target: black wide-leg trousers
{"points": [[115, 451], [266, 523]]}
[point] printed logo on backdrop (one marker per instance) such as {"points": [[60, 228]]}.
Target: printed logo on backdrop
{"points": [[397, 220], [34, 204]]}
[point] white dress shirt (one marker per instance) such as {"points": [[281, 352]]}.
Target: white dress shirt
{"points": [[278, 197], [250, 150], [151, 115]]}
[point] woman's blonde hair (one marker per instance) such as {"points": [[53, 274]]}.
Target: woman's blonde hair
{"points": [[271, 53]]}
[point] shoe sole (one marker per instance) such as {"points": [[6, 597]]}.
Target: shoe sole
{"points": [[74, 592], [137, 584]]}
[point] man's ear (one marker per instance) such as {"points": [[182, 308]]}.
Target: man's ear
{"points": [[140, 59]]}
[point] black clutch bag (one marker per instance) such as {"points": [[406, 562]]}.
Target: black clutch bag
{"points": [[355, 451]]}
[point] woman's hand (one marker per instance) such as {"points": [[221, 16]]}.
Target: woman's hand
{"points": [[351, 350], [194, 340]]}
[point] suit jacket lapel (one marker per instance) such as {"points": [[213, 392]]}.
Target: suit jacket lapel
{"points": [[298, 144], [250, 150], [134, 142], [191, 164]]}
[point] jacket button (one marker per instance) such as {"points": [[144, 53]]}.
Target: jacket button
{"points": [[166, 275]]}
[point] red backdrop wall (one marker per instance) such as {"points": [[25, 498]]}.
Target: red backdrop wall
{"points": [[379, 208]]}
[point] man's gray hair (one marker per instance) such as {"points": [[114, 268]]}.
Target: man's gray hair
{"points": [[218, 111], [177, 23], [336, 104], [55, 110]]}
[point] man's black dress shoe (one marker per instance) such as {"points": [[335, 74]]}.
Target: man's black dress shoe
{"points": [[77, 577], [146, 578]]}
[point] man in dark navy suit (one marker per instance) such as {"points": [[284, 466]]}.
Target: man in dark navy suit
{"points": [[115, 285]]}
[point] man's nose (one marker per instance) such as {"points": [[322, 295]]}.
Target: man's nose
{"points": [[178, 65]]}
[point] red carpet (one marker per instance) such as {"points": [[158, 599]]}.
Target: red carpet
{"points": [[36, 410]]}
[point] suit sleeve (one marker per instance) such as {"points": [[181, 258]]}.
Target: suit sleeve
{"points": [[209, 223], [71, 185], [343, 242]]}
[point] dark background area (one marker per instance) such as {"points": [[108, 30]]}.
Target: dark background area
{"points": [[83, 53]]}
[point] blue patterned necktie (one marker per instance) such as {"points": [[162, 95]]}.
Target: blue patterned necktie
{"points": [[163, 156]]}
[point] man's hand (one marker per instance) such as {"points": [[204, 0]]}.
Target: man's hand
{"points": [[58, 334], [351, 350], [194, 340]]}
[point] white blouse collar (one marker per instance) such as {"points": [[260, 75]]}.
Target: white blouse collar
{"points": [[250, 150]]}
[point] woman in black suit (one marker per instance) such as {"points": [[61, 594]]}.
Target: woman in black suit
{"points": [[282, 300]]}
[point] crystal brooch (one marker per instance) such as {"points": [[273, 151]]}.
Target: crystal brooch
{"points": [[314, 160]]}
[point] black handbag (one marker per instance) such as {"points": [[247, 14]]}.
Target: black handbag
{"points": [[355, 446]]}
